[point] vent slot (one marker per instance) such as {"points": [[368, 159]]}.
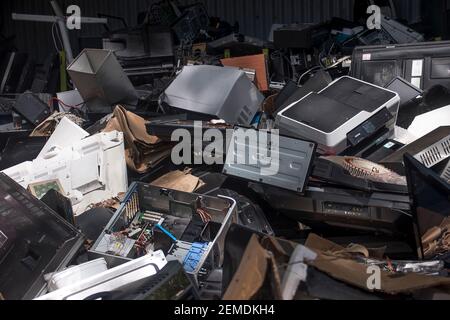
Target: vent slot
{"points": [[435, 153], [446, 173]]}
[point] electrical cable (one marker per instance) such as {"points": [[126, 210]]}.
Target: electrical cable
{"points": [[76, 107], [58, 35], [308, 71], [53, 37]]}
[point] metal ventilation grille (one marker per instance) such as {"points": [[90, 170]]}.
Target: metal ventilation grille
{"points": [[244, 116], [435, 153]]}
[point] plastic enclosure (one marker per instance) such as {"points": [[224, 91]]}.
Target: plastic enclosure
{"points": [[90, 170], [329, 115]]}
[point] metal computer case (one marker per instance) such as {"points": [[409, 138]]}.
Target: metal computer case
{"points": [[295, 160], [168, 203]]}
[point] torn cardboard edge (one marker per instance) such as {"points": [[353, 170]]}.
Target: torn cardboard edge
{"points": [[142, 150], [179, 180], [331, 261]]}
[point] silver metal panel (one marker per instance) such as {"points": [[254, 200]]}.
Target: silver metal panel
{"points": [[446, 173], [98, 75], [223, 207], [293, 159], [434, 154], [218, 91]]}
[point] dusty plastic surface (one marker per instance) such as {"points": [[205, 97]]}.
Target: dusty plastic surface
{"points": [[90, 170], [111, 279]]}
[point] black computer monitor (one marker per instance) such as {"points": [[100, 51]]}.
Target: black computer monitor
{"points": [[422, 64], [430, 196]]}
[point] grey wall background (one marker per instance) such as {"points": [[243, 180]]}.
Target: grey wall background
{"points": [[255, 17]]}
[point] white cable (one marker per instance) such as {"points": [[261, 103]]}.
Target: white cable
{"points": [[308, 71], [58, 35], [53, 36]]}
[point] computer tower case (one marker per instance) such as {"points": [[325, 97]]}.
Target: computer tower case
{"points": [[222, 92], [279, 161], [187, 227]]}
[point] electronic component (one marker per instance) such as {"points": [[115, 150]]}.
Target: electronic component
{"points": [[163, 129], [391, 32], [151, 219], [292, 93], [194, 256], [435, 153], [33, 109], [237, 44], [430, 196], [423, 64], [38, 241], [368, 128], [418, 146], [377, 148], [405, 90], [279, 161], [101, 80], [328, 116], [237, 101], [376, 212], [446, 173], [89, 170], [60, 204], [192, 21], [20, 148], [410, 99], [170, 283], [358, 173], [39, 189], [301, 36], [101, 284]]}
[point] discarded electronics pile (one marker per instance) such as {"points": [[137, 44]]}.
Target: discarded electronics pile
{"points": [[93, 207]]}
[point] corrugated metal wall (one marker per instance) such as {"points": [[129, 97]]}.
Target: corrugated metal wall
{"points": [[409, 10], [255, 17]]}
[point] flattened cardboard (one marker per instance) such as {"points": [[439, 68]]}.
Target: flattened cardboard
{"points": [[331, 261], [178, 180], [250, 274], [142, 150]]}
